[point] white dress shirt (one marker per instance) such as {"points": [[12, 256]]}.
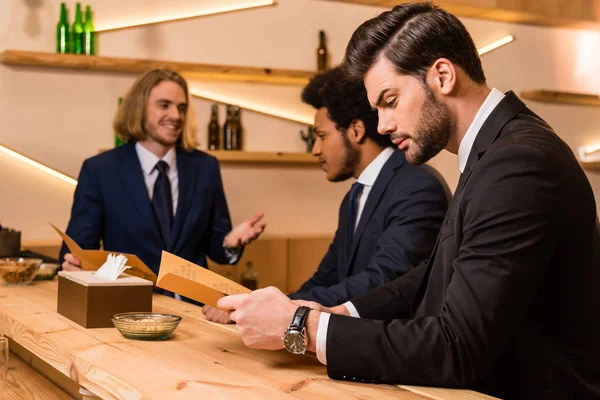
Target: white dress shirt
{"points": [[148, 161], [466, 144]]}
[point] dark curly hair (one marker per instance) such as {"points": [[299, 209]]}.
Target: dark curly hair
{"points": [[345, 100]]}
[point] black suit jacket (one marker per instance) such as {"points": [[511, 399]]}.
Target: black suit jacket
{"points": [[396, 231], [508, 302], [111, 205]]}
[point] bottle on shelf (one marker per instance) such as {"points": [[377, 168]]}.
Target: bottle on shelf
{"points": [[322, 54], [63, 38], [77, 32], [118, 140], [89, 33], [249, 278], [239, 132], [214, 142], [229, 130]]}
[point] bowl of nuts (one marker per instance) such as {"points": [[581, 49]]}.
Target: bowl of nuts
{"points": [[146, 325], [18, 271]]}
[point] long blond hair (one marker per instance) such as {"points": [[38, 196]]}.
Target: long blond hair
{"points": [[131, 114]]}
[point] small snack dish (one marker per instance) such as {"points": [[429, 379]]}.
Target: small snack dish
{"points": [[18, 271], [146, 325], [47, 272]]}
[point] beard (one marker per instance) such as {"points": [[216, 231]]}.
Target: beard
{"points": [[350, 161], [431, 133]]}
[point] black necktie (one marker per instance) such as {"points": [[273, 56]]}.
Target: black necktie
{"points": [[161, 200], [355, 191]]}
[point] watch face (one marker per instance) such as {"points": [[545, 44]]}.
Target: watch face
{"points": [[294, 342]]}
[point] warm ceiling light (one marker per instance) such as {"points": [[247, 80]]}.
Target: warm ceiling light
{"points": [[185, 15], [494, 45], [37, 165], [589, 153], [253, 106]]}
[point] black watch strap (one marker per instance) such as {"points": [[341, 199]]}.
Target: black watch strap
{"points": [[299, 318]]}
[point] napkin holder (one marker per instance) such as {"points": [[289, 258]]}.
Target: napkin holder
{"points": [[91, 301]]}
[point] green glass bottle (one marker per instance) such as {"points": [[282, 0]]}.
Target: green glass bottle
{"points": [[77, 32], [89, 33], [118, 140], [63, 39]]}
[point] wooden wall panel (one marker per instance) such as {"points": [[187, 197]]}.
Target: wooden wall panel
{"points": [[304, 256]]}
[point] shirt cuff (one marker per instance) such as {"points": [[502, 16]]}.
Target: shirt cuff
{"points": [[232, 255], [322, 337], [351, 309]]}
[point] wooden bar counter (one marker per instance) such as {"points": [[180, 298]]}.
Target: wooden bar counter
{"points": [[201, 360]]}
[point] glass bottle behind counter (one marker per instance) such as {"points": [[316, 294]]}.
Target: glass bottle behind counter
{"points": [[63, 37], [239, 132], [229, 130], [214, 142], [249, 278], [322, 54], [89, 33], [77, 32]]}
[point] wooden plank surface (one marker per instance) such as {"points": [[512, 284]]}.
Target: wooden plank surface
{"points": [[200, 360], [137, 66], [23, 383]]}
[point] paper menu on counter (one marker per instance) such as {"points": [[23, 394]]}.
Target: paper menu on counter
{"points": [[190, 280], [91, 260]]}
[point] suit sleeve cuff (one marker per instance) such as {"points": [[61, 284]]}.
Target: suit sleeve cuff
{"points": [[232, 255]]}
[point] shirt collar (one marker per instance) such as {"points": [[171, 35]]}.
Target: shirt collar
{"points": [[466, 144], [369, 174], [148, 159]]}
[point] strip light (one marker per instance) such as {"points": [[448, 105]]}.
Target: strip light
{"points": [[186, 15], [37, 165], [589, 153], [494, 45], [253, 106]]}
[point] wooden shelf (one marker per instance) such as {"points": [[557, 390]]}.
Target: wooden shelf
{"points": [[549, 96], [591, 166], [260, 157], [137, 66]]}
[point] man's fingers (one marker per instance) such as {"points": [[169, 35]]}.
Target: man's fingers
{"points": [[232, 302], [257, 217], [70, 258]]}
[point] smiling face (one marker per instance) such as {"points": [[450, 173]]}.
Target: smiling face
{"points": [[416, 121], [165, 113], [333, 148]]}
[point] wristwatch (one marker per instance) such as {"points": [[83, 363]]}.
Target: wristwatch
{"points": [[295, 339]]}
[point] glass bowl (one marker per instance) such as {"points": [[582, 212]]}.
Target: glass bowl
{"points": [[146, 325], [47, 272], [18, 271]]}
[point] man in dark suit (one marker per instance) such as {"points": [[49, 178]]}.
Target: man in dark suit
{"points": [[507, 303], [157, 192], [396, 216]]}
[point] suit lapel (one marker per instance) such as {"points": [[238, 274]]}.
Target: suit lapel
{"points": [[506, 110], [383, 179], [134, 183], [186, 171]]}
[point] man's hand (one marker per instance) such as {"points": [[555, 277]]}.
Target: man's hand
{"points": [[71, 263], [245, 232], [261, 316], [215, 315]]}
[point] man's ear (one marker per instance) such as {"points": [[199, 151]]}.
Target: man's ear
{"points": [[441, 77], [357, 132]]}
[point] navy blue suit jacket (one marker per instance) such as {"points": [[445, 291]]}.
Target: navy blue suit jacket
{"points": [[397, 230], [112, 206]]}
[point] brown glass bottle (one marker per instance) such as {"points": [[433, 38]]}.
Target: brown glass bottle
{"points": [[322, 54], [214, 141], [229, 130], [249, 278], [239, 132]]}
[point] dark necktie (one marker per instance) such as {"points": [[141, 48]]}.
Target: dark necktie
{"points": [[161, 200], [355, 192]]}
